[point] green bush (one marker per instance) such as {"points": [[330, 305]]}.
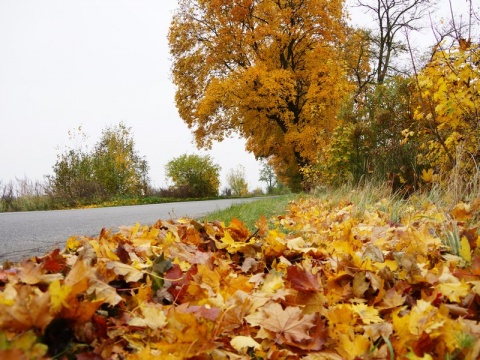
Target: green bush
{"points": [[194, 175], [112, 168]]}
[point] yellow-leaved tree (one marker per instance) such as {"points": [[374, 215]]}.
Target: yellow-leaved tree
{"points": [[449, 109], [271, 71]]}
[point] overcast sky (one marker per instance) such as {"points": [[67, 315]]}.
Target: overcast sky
{"points": [[93, 63]]}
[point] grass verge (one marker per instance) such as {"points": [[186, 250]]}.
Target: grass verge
{"points": [[249, 213]]}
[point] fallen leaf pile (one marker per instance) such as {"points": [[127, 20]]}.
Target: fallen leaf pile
{"points": [[322, 281]]}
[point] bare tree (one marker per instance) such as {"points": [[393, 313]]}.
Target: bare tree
{"points": [[391, 17], [460, 29]]}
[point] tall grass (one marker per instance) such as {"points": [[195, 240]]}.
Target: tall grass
{"points": [[462, 186], [445, 192], [25, 195]]}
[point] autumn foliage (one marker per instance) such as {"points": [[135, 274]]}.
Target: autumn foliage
{"points": [[323, 281], [271, 71], [448, 110]]}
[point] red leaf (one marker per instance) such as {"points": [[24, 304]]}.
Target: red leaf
{"points": [[123, 254], [54, 262], [101, 325], [179, 280], [301, 279], [424, 345]]}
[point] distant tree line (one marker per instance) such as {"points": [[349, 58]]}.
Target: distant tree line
{"points": [[113, 169]]}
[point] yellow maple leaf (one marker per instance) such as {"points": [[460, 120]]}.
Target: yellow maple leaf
{"points": [[276, 243], [272, 283], [208, 279], [7, 295], [427, 175], [368, 314], [128, 272], [352, 348], [58, 295], [104, 292], [454, 291], [232, 246], [72, 244]]}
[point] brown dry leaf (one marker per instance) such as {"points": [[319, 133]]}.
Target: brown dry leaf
{"points": [[24, 307], [360, 284], [288, 324], [129, 273], [391, 300]]}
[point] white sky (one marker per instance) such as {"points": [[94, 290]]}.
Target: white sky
{"points": [[93, 63]]}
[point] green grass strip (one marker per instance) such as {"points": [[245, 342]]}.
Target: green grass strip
{"points": [[250, 212]]}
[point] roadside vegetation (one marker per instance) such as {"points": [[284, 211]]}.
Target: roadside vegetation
{"points": [[25, 195], [250, 213], [114, 174]]}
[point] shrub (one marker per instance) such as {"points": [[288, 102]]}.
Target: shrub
{"points": [[194, 175]]}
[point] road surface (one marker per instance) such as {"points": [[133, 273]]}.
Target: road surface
{"points": [[25, 234]]}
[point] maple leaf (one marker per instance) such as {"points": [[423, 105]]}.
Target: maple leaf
{"points": [[128, 272], [72, 244], [462, 212], [31, 273], [240, 305], [210, 313], [360, 284], [302, 280], [208, 279], [368, 314], [232, 245], [58, 295], [352, 346], [272, 283], [153, 317], [391, 300], [179, 281], [454, 291], [380, 330], [29, 308], [262, 226], [53, 262], [288, 325], [103, 292], [239, 343], [237, 228]]}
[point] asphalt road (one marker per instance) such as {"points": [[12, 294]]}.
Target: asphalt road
{"points": [[26, 234]]}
